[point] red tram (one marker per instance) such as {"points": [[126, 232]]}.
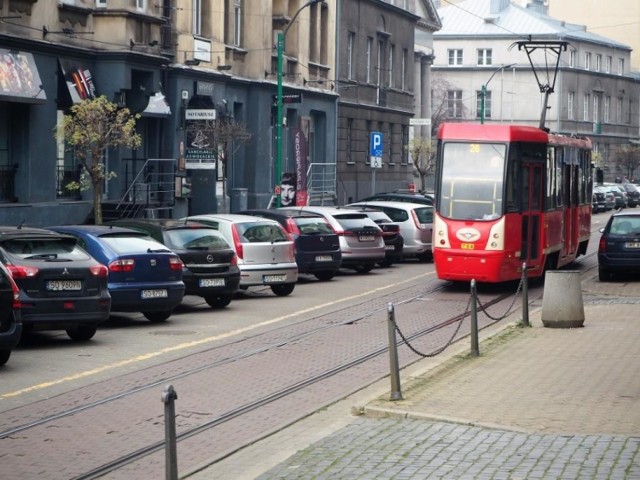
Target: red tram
{"points": [[506, 195]]}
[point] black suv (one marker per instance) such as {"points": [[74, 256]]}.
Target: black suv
{"points": [[62, 287], [633, 194], [211, 266], [10, 315]]}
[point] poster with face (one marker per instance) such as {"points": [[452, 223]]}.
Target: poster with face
{"points": [[288, 189]]}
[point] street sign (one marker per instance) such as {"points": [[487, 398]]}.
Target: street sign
{"points": [[375, 149], [289, 98], [376, 162], [419, 121]]}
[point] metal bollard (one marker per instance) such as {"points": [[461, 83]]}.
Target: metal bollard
{"points": [[169, 396], [396, 393], [525, 296], [475, 349]]}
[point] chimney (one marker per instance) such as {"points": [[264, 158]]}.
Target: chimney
{"points": [[497, 6], [538, 6]]}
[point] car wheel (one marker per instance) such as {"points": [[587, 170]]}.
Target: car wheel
{"points": [[364, 268], [83, 333], [283, 289], [157, 317], [324, 276], [425, 257], [218, 301], [603, 274], [4, 356]]}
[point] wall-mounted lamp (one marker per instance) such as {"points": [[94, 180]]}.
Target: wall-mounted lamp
{"points": [[224, 67], [192, 62]]}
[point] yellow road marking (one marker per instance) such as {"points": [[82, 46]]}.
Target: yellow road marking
{"points": [[195, 343]]}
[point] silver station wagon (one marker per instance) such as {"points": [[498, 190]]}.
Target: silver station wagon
{"points": [[266, 252]]}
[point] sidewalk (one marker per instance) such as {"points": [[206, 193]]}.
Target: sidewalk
{"points": [[538, 403]]}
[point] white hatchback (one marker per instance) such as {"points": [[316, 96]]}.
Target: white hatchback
{"points": [[266, 252], [416, 225]]}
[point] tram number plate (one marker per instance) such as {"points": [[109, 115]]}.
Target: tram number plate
{"points": [[366, 238], [632, 245], [146, 294], [274, 278], [64, 285], [211, 282], [323, 258], [467, 246]]}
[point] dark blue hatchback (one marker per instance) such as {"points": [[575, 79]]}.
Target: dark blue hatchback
{"points": [[144, 276]]}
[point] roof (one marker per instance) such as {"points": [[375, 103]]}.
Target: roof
{"points": [[95, 229], [474, 17], [230, 217]]}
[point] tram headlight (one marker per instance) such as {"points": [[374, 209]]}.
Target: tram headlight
{"points": [[494, 244]]}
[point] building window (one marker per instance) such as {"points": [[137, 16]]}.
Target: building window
{"points": [[587, 61], [598, 62], [620, 66], [404, 136], [140, 4], [351, 40], [237, 23], [196, 27], [379, 63], [101, 3], [390, 65], [487, 104], [607, 106], [572, 58], [454, 103], [369, 53], [405, 54], [607, 64], [585, 106], [596, 109], [619, 110], [455, 56], [570, 105], [484, 56]]}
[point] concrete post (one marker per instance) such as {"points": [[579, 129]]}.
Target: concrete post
{"points": [[562, 305]]}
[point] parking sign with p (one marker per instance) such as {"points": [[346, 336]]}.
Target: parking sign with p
{"points": [[375, 150]]}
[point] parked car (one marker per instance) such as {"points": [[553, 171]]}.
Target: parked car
{"points": [[618, 192], [10, 314], [210, 263], [619, 247], [633, 194], [360, 238], [598, 203], [143, 275], [393, 241], [317, 245], [416, 225], [609, 197], [61, 286], [405, 196], [266, 252]]}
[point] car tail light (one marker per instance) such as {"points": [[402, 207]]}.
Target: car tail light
{"points": [[234, 260], [236, 241], [18, 271], [122, 265], [16, 295], [292, 228], [175, 264], [99, 271], [602, 246]]}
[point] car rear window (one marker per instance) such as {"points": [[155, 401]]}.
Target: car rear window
{"points": [[195, 238], [309, 226], [351, 221], [625, 225], [45, 248], [261, 232], [425, 215], [123, 243]]}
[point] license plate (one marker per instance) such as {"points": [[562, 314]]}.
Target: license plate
{"points": [[64, 285], [632, 245], [146, 294], [323, 258], [389, 247], [366, 238], [211, 282], [274, 278], [467, 246]]}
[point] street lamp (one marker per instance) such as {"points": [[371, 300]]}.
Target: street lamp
{"points": [[483, 90], [279, 120]]}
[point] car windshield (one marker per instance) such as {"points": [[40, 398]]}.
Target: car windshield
{"points": [[123, 243], [45, 248], [625, 225], [309, 225], [261, 232], [195, 238]]}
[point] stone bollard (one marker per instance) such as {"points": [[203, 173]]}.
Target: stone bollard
{"points": [[562, 305]]}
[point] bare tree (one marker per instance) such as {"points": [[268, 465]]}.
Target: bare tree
{"points": [[441, 103], [423, 155], [627, 159], [228, 135], [93, 126]]}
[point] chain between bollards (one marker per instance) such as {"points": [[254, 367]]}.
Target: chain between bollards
{"points": [[525, 296], [169, 396], [475, 349], [394, 367]]}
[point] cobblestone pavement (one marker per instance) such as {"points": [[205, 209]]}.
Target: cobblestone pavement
{"points": [[539, 403]]}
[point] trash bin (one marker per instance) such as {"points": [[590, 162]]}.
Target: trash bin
{"points": [[562, 305], [239, 199]]}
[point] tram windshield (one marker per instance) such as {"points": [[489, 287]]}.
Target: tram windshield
{"points": [[472, 177]]}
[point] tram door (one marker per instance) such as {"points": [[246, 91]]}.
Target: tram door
{"points": [[531, 204]]}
